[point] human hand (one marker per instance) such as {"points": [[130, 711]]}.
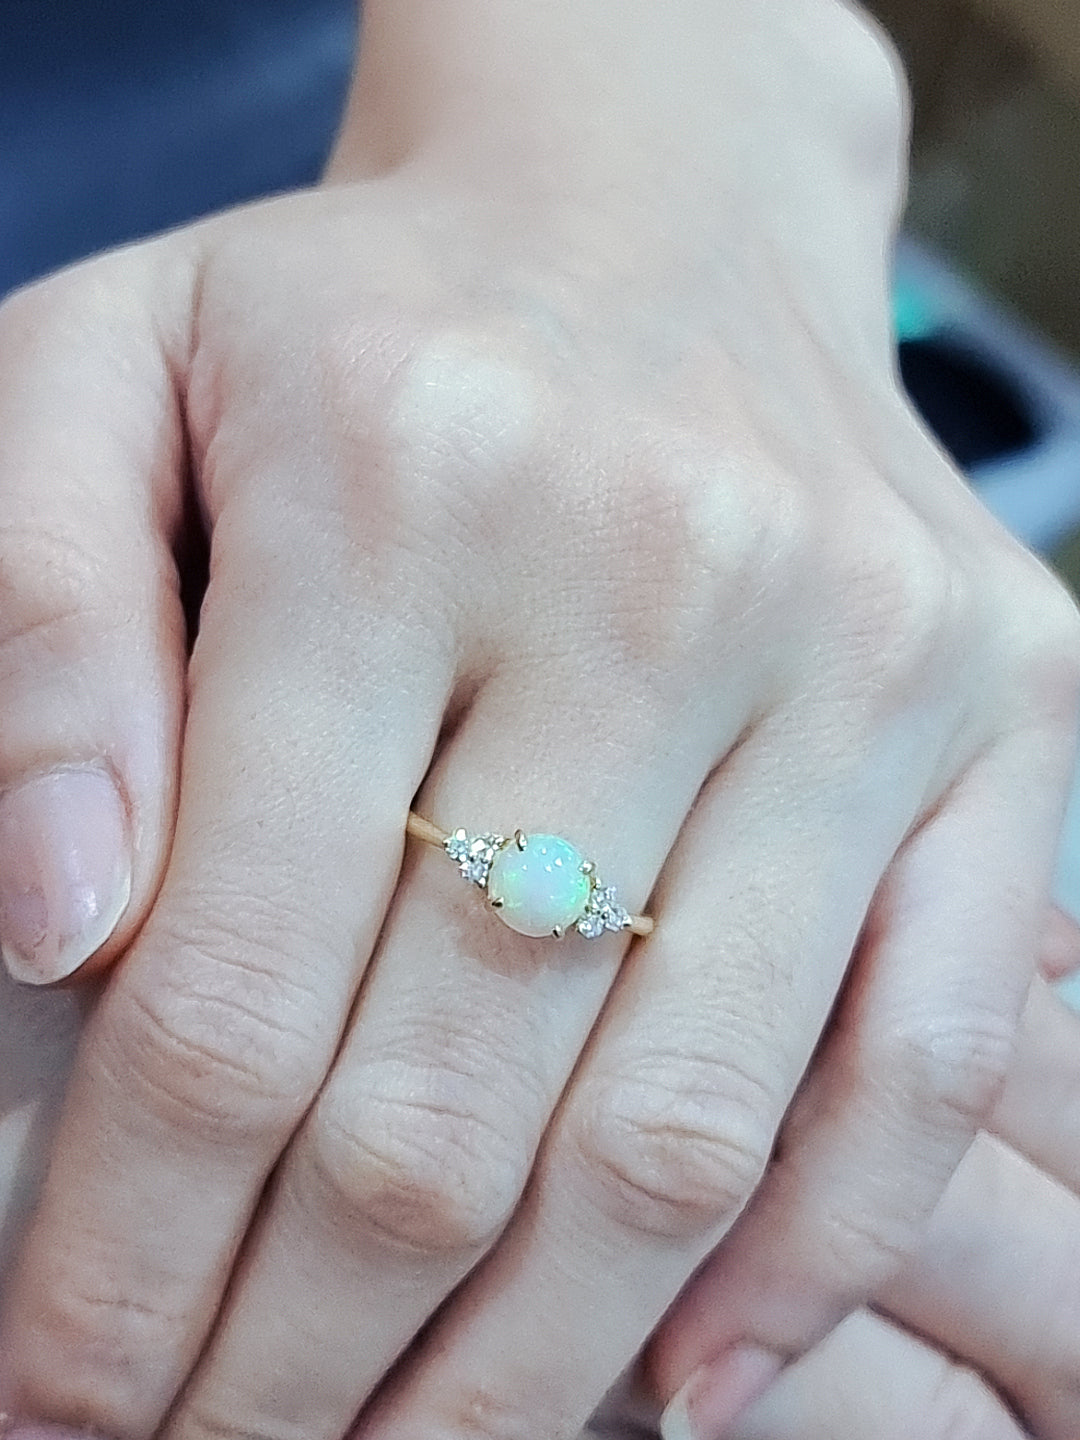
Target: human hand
{"points": [[980, 1332], [868, 1380], [592, 505]]}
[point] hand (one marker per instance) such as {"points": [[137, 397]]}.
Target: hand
{"points": [[869, 1380], [980, 1333], [592, 507]]}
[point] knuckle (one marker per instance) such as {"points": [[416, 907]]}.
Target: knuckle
{"points": [[54, 303], [80, 1357], [905, 609], [419, 1174], [462, 404], [860, 1251], [222, 1036], [950, 1067], [676, 1155], [701, 534]]}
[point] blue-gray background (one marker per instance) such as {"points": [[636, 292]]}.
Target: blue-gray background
{"points": [[119, 118]]}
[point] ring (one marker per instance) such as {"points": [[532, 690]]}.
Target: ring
{"points": [[536, 884]]}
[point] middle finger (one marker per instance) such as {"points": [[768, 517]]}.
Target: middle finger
{"points": [[422, 1142]]}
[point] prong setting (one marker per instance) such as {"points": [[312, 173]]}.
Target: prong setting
{"points": [[542, 885]]}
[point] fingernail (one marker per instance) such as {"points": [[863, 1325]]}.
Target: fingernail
{"points": [[65, 872], [717, 1394]]}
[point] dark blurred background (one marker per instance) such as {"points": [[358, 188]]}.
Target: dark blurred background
{"points": [[122, 117]]}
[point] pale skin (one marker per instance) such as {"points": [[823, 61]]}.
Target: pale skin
{"points": [[556, 474], [980, 1327]]}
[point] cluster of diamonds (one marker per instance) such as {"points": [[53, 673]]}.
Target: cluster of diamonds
{"points": [[602, 913], [473, 854]]}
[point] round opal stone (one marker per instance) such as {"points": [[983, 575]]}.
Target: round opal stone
{"points": [[541, 888]]}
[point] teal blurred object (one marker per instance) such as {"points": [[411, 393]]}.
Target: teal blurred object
{"points": [[914, 316], [998, 397]]}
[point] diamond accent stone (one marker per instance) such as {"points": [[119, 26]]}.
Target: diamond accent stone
{"points": [[473, 854], [603, 913]]}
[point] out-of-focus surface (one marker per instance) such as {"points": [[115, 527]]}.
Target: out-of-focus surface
{"points": [[119, 118], [996, 89]]}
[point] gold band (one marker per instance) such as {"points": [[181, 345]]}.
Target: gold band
{"points": [[430, 834]]}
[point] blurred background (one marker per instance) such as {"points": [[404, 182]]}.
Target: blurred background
{"points": [[119, 118]]}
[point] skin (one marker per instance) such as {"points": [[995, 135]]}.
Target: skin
{"points": [[872, 1378], [555, 474]]}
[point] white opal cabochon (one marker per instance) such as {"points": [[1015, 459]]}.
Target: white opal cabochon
{"points": [[539, 889]]}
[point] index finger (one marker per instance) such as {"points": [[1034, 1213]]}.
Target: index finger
{"points": [[306, 740]]}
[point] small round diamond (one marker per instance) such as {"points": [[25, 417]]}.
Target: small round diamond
{"points": [[473, 854], [603, 913], [591, 925]]}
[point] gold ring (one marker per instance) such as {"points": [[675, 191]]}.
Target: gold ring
{"points": [[537, 884]]}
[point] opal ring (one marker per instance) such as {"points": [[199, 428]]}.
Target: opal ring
{"points": [[536, 884]]}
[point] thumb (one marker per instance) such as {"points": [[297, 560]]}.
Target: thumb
{"points": [[92, 637]]}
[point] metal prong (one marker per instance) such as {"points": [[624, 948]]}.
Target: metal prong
{"points": [[497, 902], [520, 839], [558, 932], [461, 834], [588, 867]]}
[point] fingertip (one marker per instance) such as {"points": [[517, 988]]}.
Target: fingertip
{"points": [[66, 876], [718, 1393]]}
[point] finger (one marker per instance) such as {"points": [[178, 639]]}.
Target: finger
{"points": [[92, 635], [312, 720], [869, 1380], [997, 1280], [1061, 945], [1038, 1111], [915, 1062], [1038, 1116], [422, 1142], [674, 1108]]}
